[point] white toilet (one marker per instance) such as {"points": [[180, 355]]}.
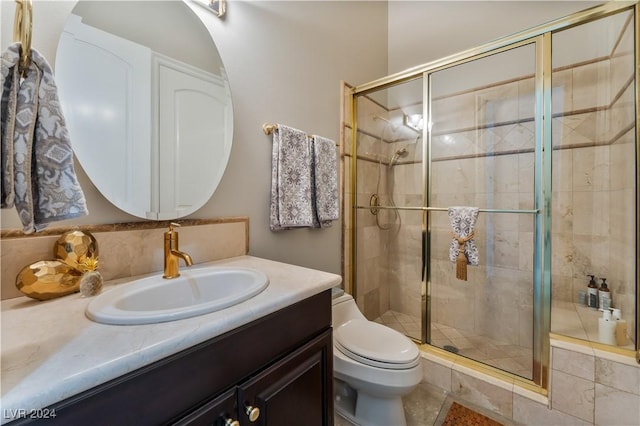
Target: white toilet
{"points": [[374, 366]]}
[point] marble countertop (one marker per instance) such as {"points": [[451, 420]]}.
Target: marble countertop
{"points": [[51, 350]]}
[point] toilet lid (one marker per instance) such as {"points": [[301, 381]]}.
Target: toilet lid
{"points": [[374, 344]]}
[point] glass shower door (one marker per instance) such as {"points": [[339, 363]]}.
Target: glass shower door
{"points": [[483, 150], [389, 192]]}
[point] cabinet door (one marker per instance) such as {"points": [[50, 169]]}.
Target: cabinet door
{"points": [[222, 411], [297, 390]]}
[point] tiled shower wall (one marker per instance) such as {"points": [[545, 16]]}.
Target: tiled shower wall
{"points": [[482, 152], [589, 386], [389, 261], [594, 148], [373, 283], [593, 199]]}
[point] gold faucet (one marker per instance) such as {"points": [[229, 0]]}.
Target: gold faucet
{"points": [[172, 254]]}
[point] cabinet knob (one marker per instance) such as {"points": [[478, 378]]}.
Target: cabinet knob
{"points": [[231, 422], [252, 412]]}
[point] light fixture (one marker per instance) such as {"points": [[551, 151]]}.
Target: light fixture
{"points": [[414, 122], [218, 7]]}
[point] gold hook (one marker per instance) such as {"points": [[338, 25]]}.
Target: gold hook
{"points": [[269, 128], [22, 26]]}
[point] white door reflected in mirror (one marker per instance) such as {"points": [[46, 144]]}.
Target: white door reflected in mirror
{"points": [[151, 127]]}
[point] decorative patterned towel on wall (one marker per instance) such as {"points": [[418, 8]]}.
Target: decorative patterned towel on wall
{"points": [[37, 159], [463, 250], [291, 205], [325, 182]]}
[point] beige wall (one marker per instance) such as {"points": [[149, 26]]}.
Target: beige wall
{"points": [[285, 61]]}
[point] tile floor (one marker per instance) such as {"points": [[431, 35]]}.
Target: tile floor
{"points": [[428, 405], [512, 358]]}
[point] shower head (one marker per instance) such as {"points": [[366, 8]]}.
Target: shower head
{"points": [[402, 152]]}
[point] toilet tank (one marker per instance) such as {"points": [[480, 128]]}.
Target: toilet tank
{"points": [[344, 309]]}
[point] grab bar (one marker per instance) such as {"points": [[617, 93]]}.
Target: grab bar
{"points": [[444, 209]]}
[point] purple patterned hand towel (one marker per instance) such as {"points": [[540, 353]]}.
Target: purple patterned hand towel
{"points": [[37, 160], [463, 250], [324, 182], [291, 204]]}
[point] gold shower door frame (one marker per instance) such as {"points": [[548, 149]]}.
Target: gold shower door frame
{"points": [[540, 36]]}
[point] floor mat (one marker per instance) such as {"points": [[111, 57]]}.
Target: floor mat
{"points": [[459, 415]]}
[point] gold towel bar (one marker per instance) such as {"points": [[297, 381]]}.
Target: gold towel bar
{"points": [[269, 129], [22, 25]]}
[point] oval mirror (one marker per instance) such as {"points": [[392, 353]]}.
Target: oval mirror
{"points": [[147, 103]]}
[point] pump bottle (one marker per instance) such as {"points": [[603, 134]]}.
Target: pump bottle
{"points": [[604, 296], [592, 293]]}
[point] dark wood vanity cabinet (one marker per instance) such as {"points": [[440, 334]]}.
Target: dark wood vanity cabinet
{"points": [[276, 371], [290, 392]]}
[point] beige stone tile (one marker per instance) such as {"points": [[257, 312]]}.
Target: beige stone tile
{"points": [[132, 251], [147, 246], [528, 412], [617, 375], [116, 255], [563, 259], [451, 333], [506, 364], [562, 288], [423, 404], [437, 335], [213, 242], [572, 395], [588, 90], [437, 372], [591, 169], [562, 81], [574, 363], [17, 253], [562, 170], [561, 211], [566, 321], [591, 213], [622, 170], [372, 304], [621, 115], [492, 396], [462, 343], [527, 98], [615, 407], [475, 354]]}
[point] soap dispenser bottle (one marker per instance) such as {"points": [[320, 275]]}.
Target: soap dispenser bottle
{"points": [[604, 296], [592, 293]]}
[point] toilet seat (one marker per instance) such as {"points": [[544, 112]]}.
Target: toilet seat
{"points": [[376, 345]]}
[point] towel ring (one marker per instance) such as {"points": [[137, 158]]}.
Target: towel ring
{"points": [[22, 26]]}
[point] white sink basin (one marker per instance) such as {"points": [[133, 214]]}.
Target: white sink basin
{"points": [[195, 292]]}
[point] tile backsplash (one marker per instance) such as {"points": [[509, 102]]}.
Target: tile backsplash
{"points": [[126, 249]]}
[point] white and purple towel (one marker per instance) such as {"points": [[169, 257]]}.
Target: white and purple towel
{"points": [[326, 199], [38, 175], [463, 220], [291, 204]]}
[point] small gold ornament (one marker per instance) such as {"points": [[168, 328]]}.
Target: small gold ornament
{"points": [[73, 246], [48, 279], [87, 264], [76, 255], [91, 281]]}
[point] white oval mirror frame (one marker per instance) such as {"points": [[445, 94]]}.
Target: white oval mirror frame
{"points": [[147, 103]]}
